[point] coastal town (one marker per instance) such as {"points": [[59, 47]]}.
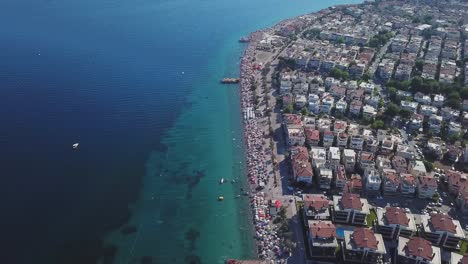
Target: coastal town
{"points": [[356, 138]]}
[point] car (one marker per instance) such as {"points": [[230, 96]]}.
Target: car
{"points": [[407, 210], [444, 194], [466, 227], [451, 204], [438, 204]]}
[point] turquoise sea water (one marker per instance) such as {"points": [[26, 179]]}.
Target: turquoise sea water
{"points": [[136, 83]]}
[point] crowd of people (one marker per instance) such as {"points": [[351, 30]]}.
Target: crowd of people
{"points": [[268, 241]]}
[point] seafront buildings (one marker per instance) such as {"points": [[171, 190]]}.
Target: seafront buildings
{"points": [[371, 108]]}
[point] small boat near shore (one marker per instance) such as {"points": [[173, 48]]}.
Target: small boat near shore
{"points": [[220, 198], [244, 39], [230, 80], [221, 181], [76, 145]]}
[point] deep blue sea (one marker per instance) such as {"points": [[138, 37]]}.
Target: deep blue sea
{"points": [[136, 84]]}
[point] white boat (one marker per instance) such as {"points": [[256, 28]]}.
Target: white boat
{"points": [[221, 181], [76, 145]]}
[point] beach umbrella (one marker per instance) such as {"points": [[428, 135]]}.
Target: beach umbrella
{"points": [[278, 204]]}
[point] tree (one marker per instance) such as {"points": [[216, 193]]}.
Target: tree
{"points": [[341, 40], [416, 83], [453, 100], [392, 92], [392, 110], [429, 166], [404, 113], [289, 109], [305, 111], [378, 124], [464, 93], [366, 77], [419, 65]]}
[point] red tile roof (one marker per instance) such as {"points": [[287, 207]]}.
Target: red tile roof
{"points": [[312, 134], [396, 216], [364, 238], [317, 202], [292, 119], [322, 229], [464, 260], [427, 181], [442, 222], [408, 179], [351, 201], [419, 247]]}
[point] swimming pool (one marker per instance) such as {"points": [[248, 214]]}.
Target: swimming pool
{"points": [[340, 231]]}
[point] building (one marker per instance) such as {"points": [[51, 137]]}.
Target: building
{"points": [[418, 168], [325, 177], [442, 230], [292, 121], [363, 246], [354, 184], [349, 160], [342, 140], [340, 177], [372, 180], [435, 124], [328, 138], [366, 160], [417, 250], [334, 156], [405, 151], [357, 142], [312, 136], [393, 222], [302, 169], [322, 239], [426, 186], [295, 136], [319, 156], [350, 208], [339, 127], [399, 164], [458, 259], [407, 184], [316, 207], [391, 182], [456, 181]]}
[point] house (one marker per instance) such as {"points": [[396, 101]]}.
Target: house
{"points": [[372, 145], [368, 112], [334, 156], [426, 186], [399, 164], [300, 101], [393, 222], [316, 207], [362, 245], [327, 104], [339, 127], [407, 184], [428, 110], [410, 106], [350, 208], [417, 250], [314, 103], [322, 239], [453, 152], [458, 259], [312, 136], [325, 177], [319, 156], [357, 142], [340, 177], [449, 114], [354, 184], [301, 167], [372, 180], [405, 151], [323, 124], [391, 182], [341, 106], [416, 122], [456, 181], [367, 87], [434, 149], [442, 230], [435, 124], [349, 160], [328, 138], [355, 108], [342, 140], [387, 146], [454, 129], [382, 162], [366, 160], [295, 136], [292, 121], [438, 100], [422, 98], [418, 168]]}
